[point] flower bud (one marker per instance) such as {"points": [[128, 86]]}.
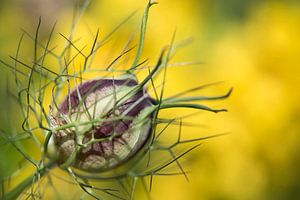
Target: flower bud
{"points": [[107, 121]]}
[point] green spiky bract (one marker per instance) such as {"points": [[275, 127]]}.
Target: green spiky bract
{"points": [[35, 81]]}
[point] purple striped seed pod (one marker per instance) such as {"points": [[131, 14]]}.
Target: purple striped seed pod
{"points": [[109, 121]]}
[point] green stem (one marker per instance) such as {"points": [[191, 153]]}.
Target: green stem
{"points": [[15, 192], [189, 105], [142, 36]]}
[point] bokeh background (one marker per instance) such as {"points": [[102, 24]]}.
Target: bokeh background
{"points": [[253, 46]]}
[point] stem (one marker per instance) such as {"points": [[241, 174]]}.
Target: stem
{"points": [[189, 105], [15, 192], [142, 36]]}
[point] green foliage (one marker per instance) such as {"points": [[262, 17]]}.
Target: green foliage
{"points": [[35, 82]]}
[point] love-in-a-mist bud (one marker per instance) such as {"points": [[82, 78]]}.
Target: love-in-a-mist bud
{"points": [[102, 123]]}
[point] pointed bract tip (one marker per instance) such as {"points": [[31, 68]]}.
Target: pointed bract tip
{"points": [[151, 2]]}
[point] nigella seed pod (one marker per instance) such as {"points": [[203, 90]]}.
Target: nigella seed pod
{"points": [[107, 133], [113, 119]]}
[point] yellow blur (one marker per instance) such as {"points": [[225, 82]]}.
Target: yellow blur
{"points": [[257, 53]]}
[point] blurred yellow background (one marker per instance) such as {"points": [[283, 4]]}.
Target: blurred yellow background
{"points": [[253, 46]]}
